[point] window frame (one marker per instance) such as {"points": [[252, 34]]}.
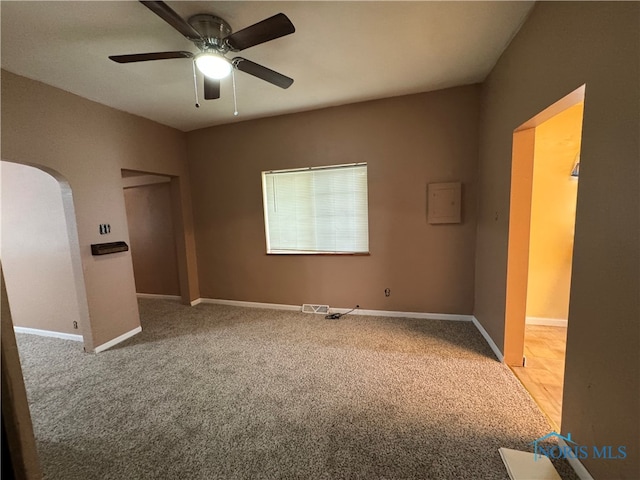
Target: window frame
{"points": [[270, 251]]}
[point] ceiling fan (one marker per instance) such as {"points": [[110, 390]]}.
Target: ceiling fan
{"points": [[213, 37]]}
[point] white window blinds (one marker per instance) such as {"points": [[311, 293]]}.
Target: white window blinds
{"points": [[317, 210]]}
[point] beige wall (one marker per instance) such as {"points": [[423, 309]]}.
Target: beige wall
{"points": [[559, 48], [553, 214], [153, 246], [89, 144], [408, 142], [36, 252]]}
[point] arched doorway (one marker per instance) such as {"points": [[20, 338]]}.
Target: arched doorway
{"points": [[41, 254]]}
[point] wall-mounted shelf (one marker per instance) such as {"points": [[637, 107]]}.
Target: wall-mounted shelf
{"points": [[107, 248]]}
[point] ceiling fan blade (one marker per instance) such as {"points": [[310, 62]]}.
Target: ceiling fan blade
{"points": [[269, 29], [144, 57], [261, 72], [211, 88], [172, 18]]}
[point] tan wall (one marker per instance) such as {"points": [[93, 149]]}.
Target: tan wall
{"points": [[36, 252], [553, 214], [153, 246], [89, 144], [559, 48], [408, 142]]}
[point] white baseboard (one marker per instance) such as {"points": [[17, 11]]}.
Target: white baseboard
{"points": [[420, 315], [176, 298], [117, 340], [576, 464], [158, 296], [49, 333], [375, 313], [239, 303], [488, 339], [549, 322]]}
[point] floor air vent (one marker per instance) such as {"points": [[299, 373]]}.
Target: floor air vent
{"points": [[310, 308]]}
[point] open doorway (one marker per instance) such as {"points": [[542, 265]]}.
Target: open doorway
{"points": [[544, 193], [148, 202], [41, 254], [43, 295]]}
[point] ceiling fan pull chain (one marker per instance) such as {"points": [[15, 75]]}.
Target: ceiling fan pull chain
{"points": [[235, 102], [195, 83]]}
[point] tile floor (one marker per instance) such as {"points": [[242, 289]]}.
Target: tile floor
{"points": [[543, 377]]}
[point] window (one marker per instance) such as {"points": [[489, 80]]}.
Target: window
{"points": [[317, 210]]}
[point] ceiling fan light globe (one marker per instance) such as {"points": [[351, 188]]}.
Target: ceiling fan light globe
{"points": [[213, 66]]}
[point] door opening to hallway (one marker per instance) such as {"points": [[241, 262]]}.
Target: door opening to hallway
{"points": [[545, 186], [152, 233]]}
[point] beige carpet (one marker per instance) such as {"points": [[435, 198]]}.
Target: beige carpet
{"points": [[217, 392]]}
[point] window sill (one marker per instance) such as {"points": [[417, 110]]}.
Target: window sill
{"points": [[353, 254]]}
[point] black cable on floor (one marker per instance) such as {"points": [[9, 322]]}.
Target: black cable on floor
{"points": [[336, 316]]}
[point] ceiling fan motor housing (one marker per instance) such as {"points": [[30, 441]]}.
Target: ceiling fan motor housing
{"points": [[213, 31]]}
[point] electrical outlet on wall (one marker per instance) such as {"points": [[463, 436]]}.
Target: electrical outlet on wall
{"points": [[387, 292]]}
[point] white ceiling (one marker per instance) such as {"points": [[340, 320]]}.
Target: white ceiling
{"points": [[341, 52]]}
